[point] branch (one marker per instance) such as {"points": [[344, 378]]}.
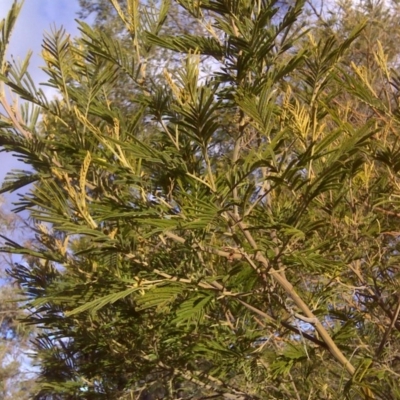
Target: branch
{"points": [[287, 286], [233, 255], [13, 116], [279, 276]]}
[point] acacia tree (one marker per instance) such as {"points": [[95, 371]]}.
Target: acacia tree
{"points": [[230, 236]]}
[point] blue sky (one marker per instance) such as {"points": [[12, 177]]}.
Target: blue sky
{"points": [[37, 16]]}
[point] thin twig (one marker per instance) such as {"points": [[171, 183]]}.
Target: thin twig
{"points": [[388, 330]]}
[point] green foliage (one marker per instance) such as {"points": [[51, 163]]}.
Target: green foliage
{"points": [[230, 234]]}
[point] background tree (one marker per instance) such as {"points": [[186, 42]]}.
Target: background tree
{"points": [[16, 381], [230, 236]]}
